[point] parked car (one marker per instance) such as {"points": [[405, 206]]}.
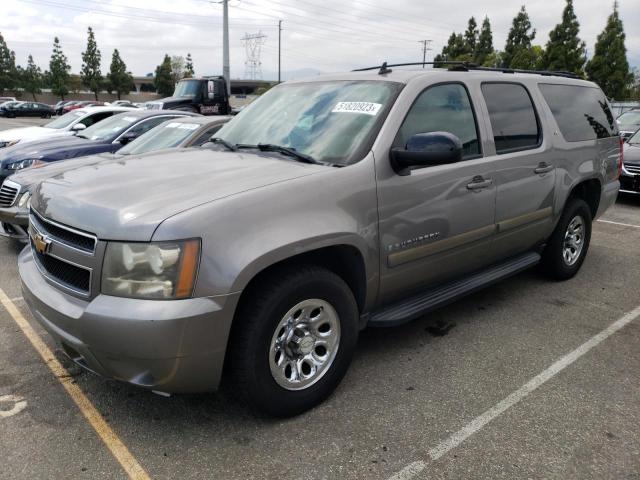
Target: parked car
{"points": [[67, 124], [26, 109], [106, 136], [81, 104], [629, 122], [58, 106], [630, 178], [10, 103], [175, 133], [180, 132], [330, 204], [7, 99], [123, 103]]}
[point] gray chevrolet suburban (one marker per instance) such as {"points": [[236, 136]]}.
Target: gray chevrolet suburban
{"points": [[328, 205]]}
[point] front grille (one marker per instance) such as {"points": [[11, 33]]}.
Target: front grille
{"points": [[632, 169], [8, 193], [68, 275], [69, 236]]}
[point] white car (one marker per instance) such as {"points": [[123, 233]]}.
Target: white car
{"points": [[67, 124]]}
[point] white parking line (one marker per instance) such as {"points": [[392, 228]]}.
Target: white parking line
{"points": [[618, 223], [479, 422]]}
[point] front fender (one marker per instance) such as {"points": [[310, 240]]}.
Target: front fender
{"points": [[245, 233]]}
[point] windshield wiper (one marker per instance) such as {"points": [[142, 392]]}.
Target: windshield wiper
{"points": [[291, 152], [222, 141]]}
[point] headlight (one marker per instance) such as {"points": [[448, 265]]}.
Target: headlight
{"points": [[25, 200], [21, 164], [159, 270]]}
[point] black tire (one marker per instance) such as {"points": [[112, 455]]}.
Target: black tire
{"points": [[554, 263], [255, 324]]}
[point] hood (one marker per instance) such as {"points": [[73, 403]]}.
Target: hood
{"points": [[127, 198], [51, 149], [631, 154], [174, 100], [32, 176], [28, 133]]}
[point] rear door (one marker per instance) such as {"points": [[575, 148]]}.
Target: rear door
{"points": [[524, 170]]}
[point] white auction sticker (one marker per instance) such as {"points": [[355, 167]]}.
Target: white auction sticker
{"points": [[368, 108]]}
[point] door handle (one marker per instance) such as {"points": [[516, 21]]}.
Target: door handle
{"points": [[479, 182], [543, 167]]}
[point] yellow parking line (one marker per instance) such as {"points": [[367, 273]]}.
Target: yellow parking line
{"points": [[119, 450]]}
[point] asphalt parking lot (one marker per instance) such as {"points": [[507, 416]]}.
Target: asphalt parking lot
{"points": [[455, 395]]}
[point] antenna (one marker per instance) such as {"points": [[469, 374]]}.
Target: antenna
{"points": [[253, 46]]}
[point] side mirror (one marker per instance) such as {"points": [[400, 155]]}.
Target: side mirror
{"points": [[426, 150], [127, 137], [78, 127]]}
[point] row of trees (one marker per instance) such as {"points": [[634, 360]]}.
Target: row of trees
{"points": [[564, 51], [58, 78]]}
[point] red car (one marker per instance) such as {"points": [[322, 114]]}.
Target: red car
{"points": [[80, 104]]}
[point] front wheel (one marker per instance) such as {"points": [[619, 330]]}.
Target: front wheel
{"points": [[569, 242], [293, 340]]}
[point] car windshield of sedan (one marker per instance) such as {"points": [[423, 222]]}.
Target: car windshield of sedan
{"points": [[109, 128], [629, 118], [65, 120], [168, 135], [333, 121], [635, 139]]}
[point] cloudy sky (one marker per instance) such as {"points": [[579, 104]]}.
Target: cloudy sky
{"points": [[325, 35]]}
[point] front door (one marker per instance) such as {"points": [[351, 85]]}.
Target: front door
{"points": [[525, 172], [436, 221]]}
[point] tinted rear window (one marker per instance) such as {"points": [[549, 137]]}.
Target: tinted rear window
{"points": [[582, 113], [513, 118]]}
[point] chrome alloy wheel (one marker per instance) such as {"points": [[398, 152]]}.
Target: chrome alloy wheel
{"points": [[573, 240], [304, 344]]}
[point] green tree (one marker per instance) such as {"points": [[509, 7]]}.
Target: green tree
{"points": [[91, 58], [528, 58], [484, 47], [59, 71], [471, 37], [493, 60], [32, 78], [162, 80], [565, 51], [119, 79], [8, 71], [189, 72], [609, 67], [519, 39]]}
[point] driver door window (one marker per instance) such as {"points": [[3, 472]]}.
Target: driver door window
{"points": [[443, 108], [95, 118]]}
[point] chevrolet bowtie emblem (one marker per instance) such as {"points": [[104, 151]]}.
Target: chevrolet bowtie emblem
{"points": [[41, 243]]}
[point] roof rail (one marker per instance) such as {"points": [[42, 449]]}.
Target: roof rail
{"points": [[465, 67]]}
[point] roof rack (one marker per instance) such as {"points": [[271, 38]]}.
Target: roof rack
{"points": [[465, 67]]}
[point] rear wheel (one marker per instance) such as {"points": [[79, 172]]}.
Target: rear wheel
{"points": [[293, 340], [568, 245]]}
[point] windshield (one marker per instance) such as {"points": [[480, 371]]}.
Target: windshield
{"points": [[635, 138], [109, 128], [65, 120], [187, 88], [332, 122], [629, 118], [168, 135]]}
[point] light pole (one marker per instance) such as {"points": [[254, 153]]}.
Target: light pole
{"points": [[226, 71]]}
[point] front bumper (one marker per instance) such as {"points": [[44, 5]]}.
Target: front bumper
{"points": [[14, 222], [629, 182], [173, 346]]}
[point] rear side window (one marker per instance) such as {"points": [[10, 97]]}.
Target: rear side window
{"points": [[443, 108], [582, 113], [95, 118], [513, 118]]}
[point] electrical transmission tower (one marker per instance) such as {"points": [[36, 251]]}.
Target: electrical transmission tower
{"points": [[253, 46]]}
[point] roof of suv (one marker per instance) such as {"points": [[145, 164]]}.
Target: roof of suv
{"points": [[405, 75]]}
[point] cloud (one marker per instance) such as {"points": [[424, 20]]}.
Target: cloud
{"points": [[331, 35]]}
